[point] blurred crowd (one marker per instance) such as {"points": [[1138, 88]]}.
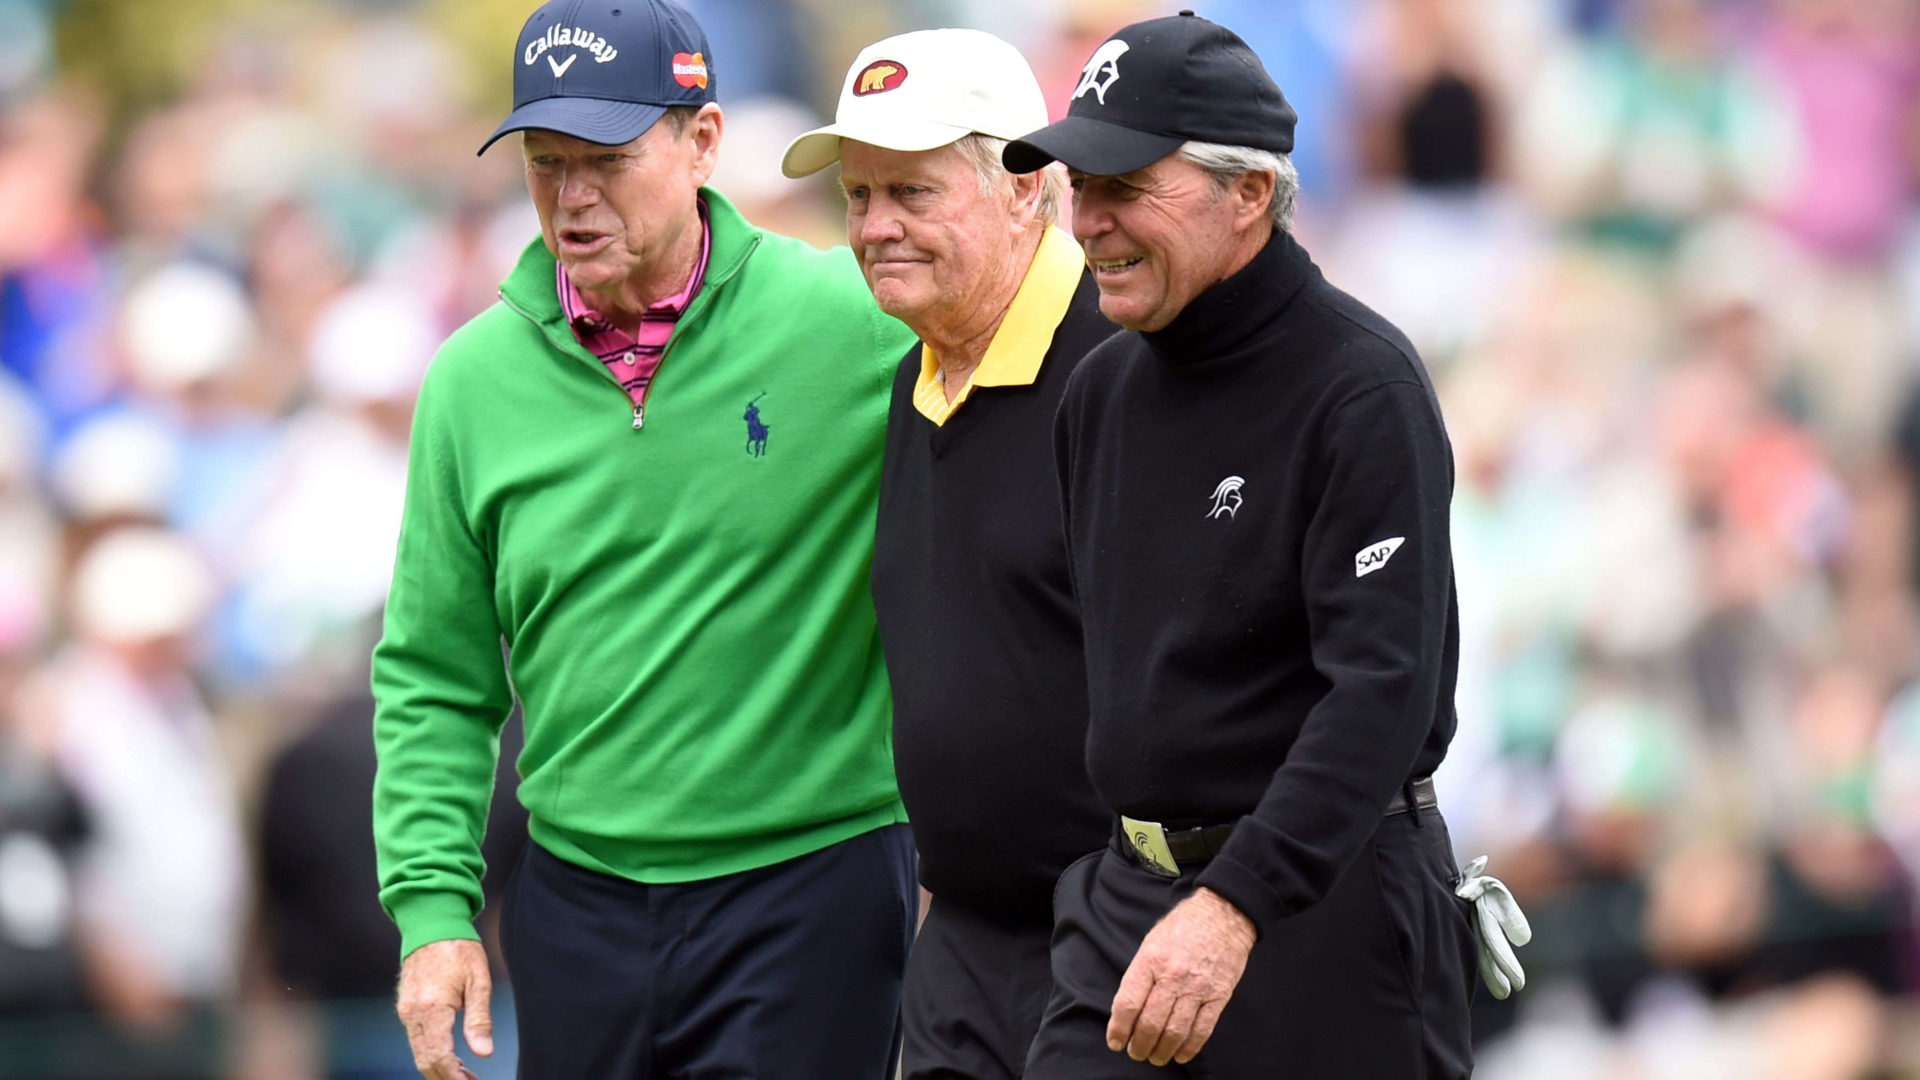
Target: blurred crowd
{"points": [[1662, 257]]}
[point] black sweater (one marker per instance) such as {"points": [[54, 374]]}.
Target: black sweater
{"points": [[1256, 501], [981, 637]]}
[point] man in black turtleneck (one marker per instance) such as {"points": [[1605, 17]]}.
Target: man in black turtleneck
{"points": [[1255, 481]]}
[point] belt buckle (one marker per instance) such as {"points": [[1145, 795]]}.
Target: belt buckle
{"points": [[1149, 840]]}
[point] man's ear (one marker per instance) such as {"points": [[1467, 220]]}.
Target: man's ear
{"points": [[1252, 192], [705, 130], [1027, 191]]}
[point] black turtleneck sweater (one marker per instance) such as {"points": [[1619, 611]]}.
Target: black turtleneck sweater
{"points": [[982, 641], [1256, 503]]}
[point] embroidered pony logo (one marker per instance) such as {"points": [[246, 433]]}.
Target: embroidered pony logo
{"points": [[756, 431]]}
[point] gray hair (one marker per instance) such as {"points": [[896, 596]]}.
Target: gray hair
{"points": [[983, 152], [1226, 163]]}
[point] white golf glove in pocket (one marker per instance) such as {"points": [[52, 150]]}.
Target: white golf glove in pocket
{"points": [[1499, 924]]}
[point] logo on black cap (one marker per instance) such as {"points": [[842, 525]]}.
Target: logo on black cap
{"points": [[1188, 80], [1102, 70]]}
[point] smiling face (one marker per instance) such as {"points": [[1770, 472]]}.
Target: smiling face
{"points": [[1158, 237], [615, 215], [936, 244]]}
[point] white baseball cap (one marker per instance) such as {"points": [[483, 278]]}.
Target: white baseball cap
{"points": [[923, 90]]}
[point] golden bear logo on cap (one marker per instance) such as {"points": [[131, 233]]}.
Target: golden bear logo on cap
{"points": [[690, 69], [879, 77]]}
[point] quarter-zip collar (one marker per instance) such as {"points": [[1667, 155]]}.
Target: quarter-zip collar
{"points": [[529, 288]]}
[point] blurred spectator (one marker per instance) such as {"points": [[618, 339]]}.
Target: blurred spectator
{"points": [[1850, 70], [311, 557], [327, 938], [158, 897], [1633, 133], [53, 277], [41, 824], [1427, 237]]}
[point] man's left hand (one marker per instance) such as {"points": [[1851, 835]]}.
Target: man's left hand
{"points": [[1180, 979]]}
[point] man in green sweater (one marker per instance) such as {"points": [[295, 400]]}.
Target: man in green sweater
{"points": [[641, 499]]}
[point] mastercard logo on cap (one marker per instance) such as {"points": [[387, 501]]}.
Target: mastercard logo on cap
{"points": [[690, 69], [879, 77]]}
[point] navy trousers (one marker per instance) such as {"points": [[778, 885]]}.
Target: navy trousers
{"points": [[788, 972]]}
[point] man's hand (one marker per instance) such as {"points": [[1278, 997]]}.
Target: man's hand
{"points": [[436, 981], [1180, 979]]}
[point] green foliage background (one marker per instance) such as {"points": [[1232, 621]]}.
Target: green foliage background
{"points": [[141, 54]]}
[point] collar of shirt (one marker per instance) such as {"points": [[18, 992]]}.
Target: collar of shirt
{"points": [[609, 342], [1013, 356]]}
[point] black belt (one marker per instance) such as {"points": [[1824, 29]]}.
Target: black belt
{"points": [[1203, 842]]}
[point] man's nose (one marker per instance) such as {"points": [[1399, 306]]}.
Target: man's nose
{"points": [[577, 191], [1090, 220], [881, 223]]}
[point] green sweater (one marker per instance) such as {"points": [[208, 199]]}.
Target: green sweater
{"points": [[685, 616]]}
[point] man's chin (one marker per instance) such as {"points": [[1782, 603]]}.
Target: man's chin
{"points": [[900, 303], [592, 273], [1123, 311]]}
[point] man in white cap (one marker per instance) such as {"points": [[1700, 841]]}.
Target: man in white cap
{"points": [[970, 574]]}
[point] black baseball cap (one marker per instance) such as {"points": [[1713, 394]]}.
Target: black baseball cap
{"points": [[1153, 86], [605, 70]]}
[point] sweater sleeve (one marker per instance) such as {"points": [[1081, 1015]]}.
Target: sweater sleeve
{"points": [[1377, 576], [442, 694]]}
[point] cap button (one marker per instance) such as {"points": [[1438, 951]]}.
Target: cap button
{"points": [[1189, 11]]}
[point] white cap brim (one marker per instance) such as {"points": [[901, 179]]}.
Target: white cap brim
{"points": [[820, 147]]}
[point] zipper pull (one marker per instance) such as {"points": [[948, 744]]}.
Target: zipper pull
{"points": [[639, 416]]}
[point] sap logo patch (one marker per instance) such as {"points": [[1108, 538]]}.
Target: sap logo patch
{"points": [[690, 70], [879, 77], [1374, 556]]}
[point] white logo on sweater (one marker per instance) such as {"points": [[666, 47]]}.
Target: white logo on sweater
{"points": [[1226, 498], [1374, 556]]}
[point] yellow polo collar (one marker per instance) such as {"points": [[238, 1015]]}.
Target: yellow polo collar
{"points": [[1021, 343]]}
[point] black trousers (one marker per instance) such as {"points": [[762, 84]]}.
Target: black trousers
{"points": [[1371, 983], [788, 972], [976, 986]]}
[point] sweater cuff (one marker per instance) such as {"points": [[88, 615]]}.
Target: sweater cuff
{"points": [[427, 917], [1245, 890]]}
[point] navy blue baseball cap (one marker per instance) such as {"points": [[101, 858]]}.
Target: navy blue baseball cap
{"points": [[605, 70]]}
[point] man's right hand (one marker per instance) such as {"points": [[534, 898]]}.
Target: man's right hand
{"points": [[436, 981]]}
